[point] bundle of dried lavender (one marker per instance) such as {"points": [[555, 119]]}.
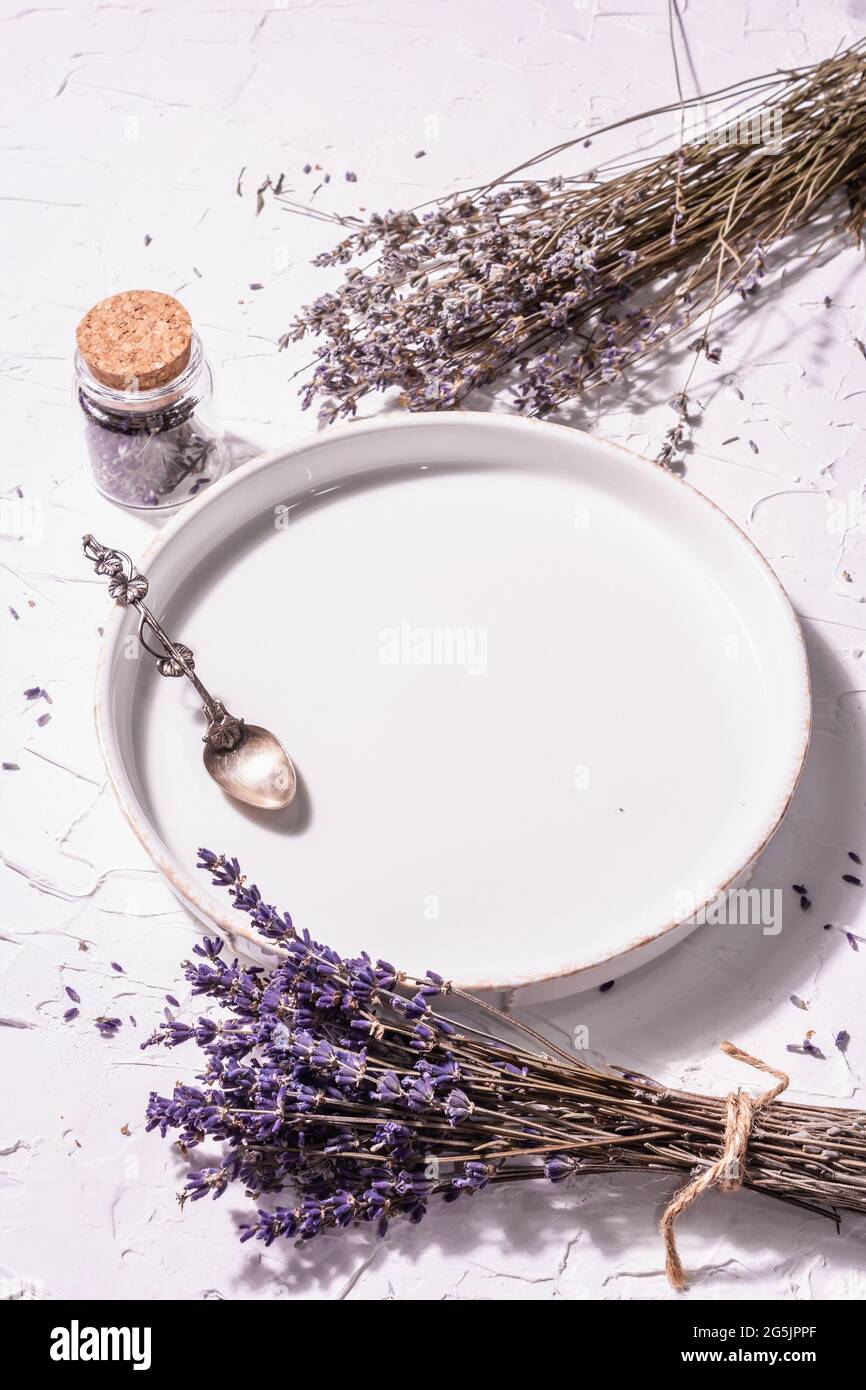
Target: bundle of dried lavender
{"points": [[345, 1082], [561, 284]]}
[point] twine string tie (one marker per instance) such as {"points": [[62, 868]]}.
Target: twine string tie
{"points": [[729, 1168]]}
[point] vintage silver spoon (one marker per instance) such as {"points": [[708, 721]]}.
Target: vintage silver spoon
{"points": [[246, 760]]}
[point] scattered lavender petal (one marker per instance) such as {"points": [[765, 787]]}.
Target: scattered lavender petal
{"points": [[33, 693], [108, 1026], [798, 1002], [842, 1040], [852, 878], [807, 1048], [419, 154], [855, 857], [119, 968], [351, 176], [11, 767], [171, 999], [73, 995], [43, 719], [608, 984], [70, 1015], [852, 941]]}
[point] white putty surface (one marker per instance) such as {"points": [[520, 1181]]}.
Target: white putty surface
{"points": [[124, 121]]}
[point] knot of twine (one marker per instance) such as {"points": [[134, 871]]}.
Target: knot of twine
{"points": [[729, 1168]]}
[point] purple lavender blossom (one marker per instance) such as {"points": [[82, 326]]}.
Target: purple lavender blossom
{"points": [[303, 1050], [334, 1093], [108, 1027]]}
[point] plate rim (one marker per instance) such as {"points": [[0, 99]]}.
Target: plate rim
{"points": [[209, 909]]}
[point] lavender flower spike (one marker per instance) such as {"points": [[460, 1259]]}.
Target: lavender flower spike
{"points": [[336, 1093]]}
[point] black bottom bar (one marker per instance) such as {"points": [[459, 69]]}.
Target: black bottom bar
{"points": [[207, 1339]]}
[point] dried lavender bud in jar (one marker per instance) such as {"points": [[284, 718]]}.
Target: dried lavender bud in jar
{"points": [[144, 390]]}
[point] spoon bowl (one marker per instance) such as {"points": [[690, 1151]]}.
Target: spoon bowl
{"points": [[246, 760], [257, 771]]}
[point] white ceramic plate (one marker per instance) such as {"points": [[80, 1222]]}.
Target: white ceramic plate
{"points": [[539, 693]]}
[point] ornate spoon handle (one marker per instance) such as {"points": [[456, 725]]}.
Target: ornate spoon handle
{"points": [[128, 588]]}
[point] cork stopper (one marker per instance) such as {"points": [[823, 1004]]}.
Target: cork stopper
{"points": [[139, 340]]}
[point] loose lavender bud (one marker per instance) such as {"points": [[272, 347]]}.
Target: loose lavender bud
{"points": [[108, 1026]]}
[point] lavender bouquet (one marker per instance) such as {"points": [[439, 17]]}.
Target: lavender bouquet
{"points": [[346, 1084], [556, 286]]}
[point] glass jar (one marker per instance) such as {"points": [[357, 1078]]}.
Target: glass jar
{"points": [[154, 447]]}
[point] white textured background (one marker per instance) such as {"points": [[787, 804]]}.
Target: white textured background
{"points": [[124, 121]]}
